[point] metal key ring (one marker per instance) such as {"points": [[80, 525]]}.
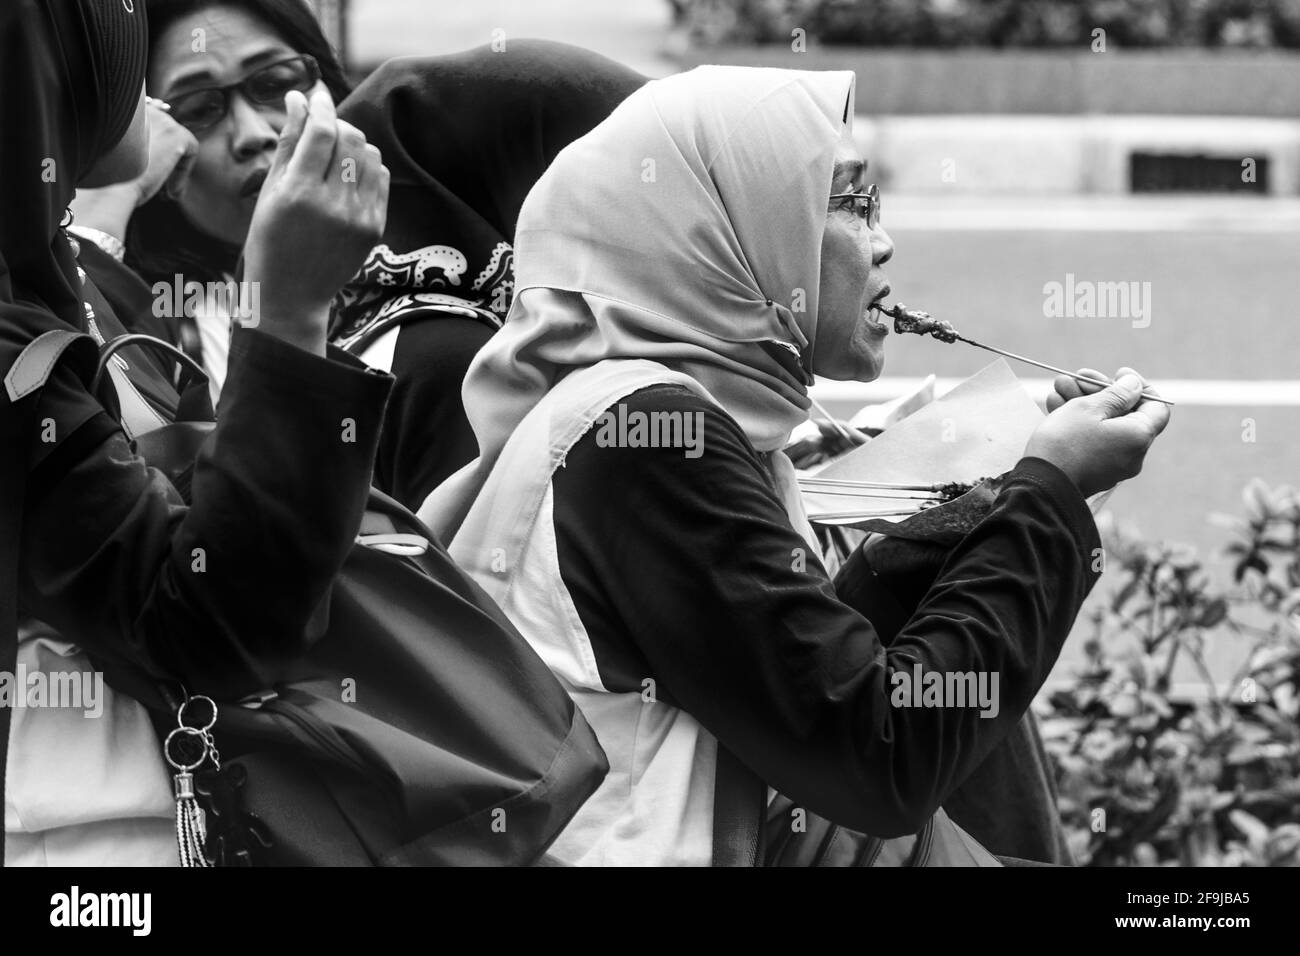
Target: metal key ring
{"points": [[186, 768], [180, 714]]}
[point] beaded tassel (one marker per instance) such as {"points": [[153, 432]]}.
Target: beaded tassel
{"points": [[191, 835]]}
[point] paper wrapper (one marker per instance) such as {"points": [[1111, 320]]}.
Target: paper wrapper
{"points": [[976, 431]]}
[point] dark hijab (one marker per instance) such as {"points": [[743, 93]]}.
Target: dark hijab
{"points": [[71, 72], [466, 136]]}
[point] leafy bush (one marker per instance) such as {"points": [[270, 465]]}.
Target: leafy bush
{"points": [[1146, 779], [994, 23]]}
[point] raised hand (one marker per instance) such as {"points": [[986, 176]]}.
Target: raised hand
{"points": [[322, 209], [1099, 437]]}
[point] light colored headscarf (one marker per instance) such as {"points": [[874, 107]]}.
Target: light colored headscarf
{"points": [[685, 229]]}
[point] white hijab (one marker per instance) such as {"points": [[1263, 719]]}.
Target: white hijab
{"points": [[686, 229]]}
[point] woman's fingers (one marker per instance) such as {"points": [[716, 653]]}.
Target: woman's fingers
{"points": [[352, 161], [296, 111], [1067, 387], [187, 150], [1087, 388], [363, 177], [180, 176], [315, 149], [374, 184]]}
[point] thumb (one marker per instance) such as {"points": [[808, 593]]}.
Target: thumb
{"points": [[295, 105], [1119, 397]]}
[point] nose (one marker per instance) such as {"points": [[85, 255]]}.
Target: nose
{"points": [[251, 132], [882, 247]]}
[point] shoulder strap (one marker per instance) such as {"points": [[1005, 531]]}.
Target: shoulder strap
{"points": [[33, 366]]}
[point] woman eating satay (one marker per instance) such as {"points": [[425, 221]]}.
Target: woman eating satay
{"points": [[696, 259]]}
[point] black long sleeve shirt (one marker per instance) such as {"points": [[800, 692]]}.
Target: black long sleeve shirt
{"points": [[426, 435], [219, 593], [687, 571]]}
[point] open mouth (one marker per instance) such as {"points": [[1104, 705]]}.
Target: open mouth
{"points": [[253, 184], [874, 318]]}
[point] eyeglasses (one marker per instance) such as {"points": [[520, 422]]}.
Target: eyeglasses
{"points": [[204, 109], [865, 205]]}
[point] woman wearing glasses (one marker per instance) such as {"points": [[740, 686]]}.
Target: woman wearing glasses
{"points": [[189, 213], [693, 261], [466, 136]]}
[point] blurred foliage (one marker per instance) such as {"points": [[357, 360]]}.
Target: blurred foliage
{"points": [[994, 23], [1145, 779]]}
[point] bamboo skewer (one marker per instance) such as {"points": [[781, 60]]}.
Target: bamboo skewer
{"points": [[883, 485], [843, 432], [1053, 368], [945, 333], [869, 494], [863, 515]]}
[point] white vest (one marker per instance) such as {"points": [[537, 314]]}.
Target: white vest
{"points": [[655, 808]]}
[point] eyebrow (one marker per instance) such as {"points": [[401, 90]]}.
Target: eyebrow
{"points": [[202, 73], [854, 168]]}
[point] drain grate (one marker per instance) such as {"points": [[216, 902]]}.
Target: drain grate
{"points": [[1194, 173]]}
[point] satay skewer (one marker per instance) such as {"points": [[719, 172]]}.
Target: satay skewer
{"points": [[879, 485], [864, 515], [814, 490], [922, 323], [840, 429]]}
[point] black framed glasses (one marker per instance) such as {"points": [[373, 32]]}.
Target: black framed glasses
{"points": [[865, 205], [204, 109]]}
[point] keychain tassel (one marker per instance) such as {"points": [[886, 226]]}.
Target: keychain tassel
{"points": [[191, 831], [191, 834]]}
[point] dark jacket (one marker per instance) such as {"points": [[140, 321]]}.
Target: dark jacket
{"points": [[681, 571], [219, 592]]}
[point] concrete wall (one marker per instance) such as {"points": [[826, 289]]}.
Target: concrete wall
{"points": [[1055, 155], [1054, 122], [895, 81]]}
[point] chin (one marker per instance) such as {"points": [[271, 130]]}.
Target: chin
{"points": [[856, 368], [869, 370], [231, 232]]}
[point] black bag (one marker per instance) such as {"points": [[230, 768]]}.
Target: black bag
{"points": [[421, 729]]}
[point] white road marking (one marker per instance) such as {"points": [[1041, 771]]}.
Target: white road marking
{"points": [[1222, 393]]}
